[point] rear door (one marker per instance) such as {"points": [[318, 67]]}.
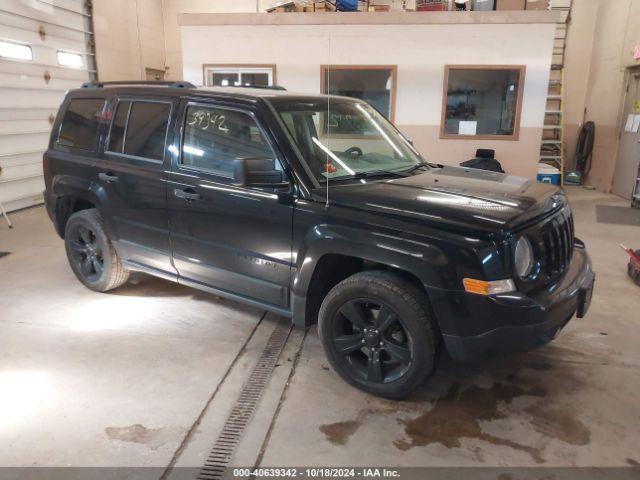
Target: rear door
{"points": [[233, 239], [133, 175], [627, 168]]}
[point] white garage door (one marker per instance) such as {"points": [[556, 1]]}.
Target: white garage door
{"points": [[45, 49]]}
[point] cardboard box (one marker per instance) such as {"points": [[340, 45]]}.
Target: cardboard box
{"points": [[537, 4], [379, 8], [510, 4], [431, 7], [322, 7], [282, 7]]}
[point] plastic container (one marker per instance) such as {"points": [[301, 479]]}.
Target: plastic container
{"points": [[484, 5], [572, 177], [548, 174]]}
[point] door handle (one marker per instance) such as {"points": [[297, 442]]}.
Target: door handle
{"points": [[188, 194], [107, 177]]}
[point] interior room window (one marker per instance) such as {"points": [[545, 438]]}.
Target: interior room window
{"points": [[147, 130], [225, 76], [374, 84], [80, 123], [482, 101], [70, 59], [214, 138], [18, 51]]}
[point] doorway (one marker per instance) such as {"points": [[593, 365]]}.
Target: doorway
{"points": [[626, 173]]}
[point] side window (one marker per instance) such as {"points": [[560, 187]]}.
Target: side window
{"points": [[140, 129], [147, 130], [215, 137], [116, 137], [80, 123]]}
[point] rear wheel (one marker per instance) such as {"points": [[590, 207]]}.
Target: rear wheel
{"points": [[91, 254], [378, 334]]}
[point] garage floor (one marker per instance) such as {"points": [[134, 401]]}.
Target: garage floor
{"points": [[147, 375]]}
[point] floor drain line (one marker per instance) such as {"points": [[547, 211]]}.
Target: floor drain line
{"points": [[223, 450]]}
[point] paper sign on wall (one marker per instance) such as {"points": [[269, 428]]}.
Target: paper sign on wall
{"points": [[467, 127], [633, 123], [636, 52], [629, 124], [636, 106]]}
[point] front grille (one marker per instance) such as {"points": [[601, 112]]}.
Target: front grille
{"points": [[555, 244]]}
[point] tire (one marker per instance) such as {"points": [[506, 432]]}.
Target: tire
{"points": [[91, 254], [378, 333]]}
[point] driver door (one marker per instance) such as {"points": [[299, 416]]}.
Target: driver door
{"points": [[234, 240]]}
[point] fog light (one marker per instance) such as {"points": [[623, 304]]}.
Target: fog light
{"points": [[482, 287]]}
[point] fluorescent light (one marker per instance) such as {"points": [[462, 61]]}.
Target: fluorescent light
{"points": [[69, 59], [18, 51], [192, 150]]}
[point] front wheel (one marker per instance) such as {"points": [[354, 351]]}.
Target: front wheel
{"points": [[91, 254], [378, 334]]}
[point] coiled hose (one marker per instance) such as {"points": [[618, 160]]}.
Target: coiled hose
{"points": [[584, 148]]}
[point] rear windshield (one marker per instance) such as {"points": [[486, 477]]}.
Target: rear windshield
{"points": [[80, 123]]}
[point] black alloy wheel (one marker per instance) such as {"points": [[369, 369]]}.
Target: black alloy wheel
{"points": [[373, 340], [91, 254], [86, 252], [378, 334]]}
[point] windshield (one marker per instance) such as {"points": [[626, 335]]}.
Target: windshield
{"points": [[346, 139]]}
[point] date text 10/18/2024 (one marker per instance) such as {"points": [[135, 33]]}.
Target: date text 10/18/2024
{"points": [[315, 472]]}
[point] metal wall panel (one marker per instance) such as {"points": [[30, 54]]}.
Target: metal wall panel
{"points": [[31, 91]]}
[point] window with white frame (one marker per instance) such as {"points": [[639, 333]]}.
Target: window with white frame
{"points": [[226, 75], [14, 50], [70, 59]]}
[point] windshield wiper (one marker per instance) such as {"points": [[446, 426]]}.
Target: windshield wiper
{"points": [[378, 173], [367, 174]]}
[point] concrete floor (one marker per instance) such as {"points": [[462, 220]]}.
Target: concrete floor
{"points": [[146, 375]]}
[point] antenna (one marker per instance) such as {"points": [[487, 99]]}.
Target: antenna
{"points": [[326, 163]]}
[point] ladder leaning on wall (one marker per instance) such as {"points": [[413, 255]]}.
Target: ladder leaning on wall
{"points": [[552, 149]]}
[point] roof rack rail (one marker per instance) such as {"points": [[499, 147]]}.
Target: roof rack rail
{"points": [[263, 87], [150, 83]]}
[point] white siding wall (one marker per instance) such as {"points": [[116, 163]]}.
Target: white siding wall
{"points": [[26, 99]]}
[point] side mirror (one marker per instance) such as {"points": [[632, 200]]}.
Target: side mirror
{"points": [[258, 172]]}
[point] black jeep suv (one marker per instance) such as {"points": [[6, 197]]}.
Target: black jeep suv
{"points": [[316, 208]]}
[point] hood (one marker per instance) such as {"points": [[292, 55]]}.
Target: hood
{"points": [[460, 198]]}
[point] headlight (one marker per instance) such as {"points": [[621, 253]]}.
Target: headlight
{"points": [[523, 257]]}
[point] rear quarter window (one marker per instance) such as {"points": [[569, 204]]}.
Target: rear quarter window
{"points": [[79, 127], [139, 129]]}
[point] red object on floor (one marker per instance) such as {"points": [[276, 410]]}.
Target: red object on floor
{"points": [[634, 256]]}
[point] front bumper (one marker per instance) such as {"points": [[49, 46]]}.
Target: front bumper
{"points": [[517, 322]]}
